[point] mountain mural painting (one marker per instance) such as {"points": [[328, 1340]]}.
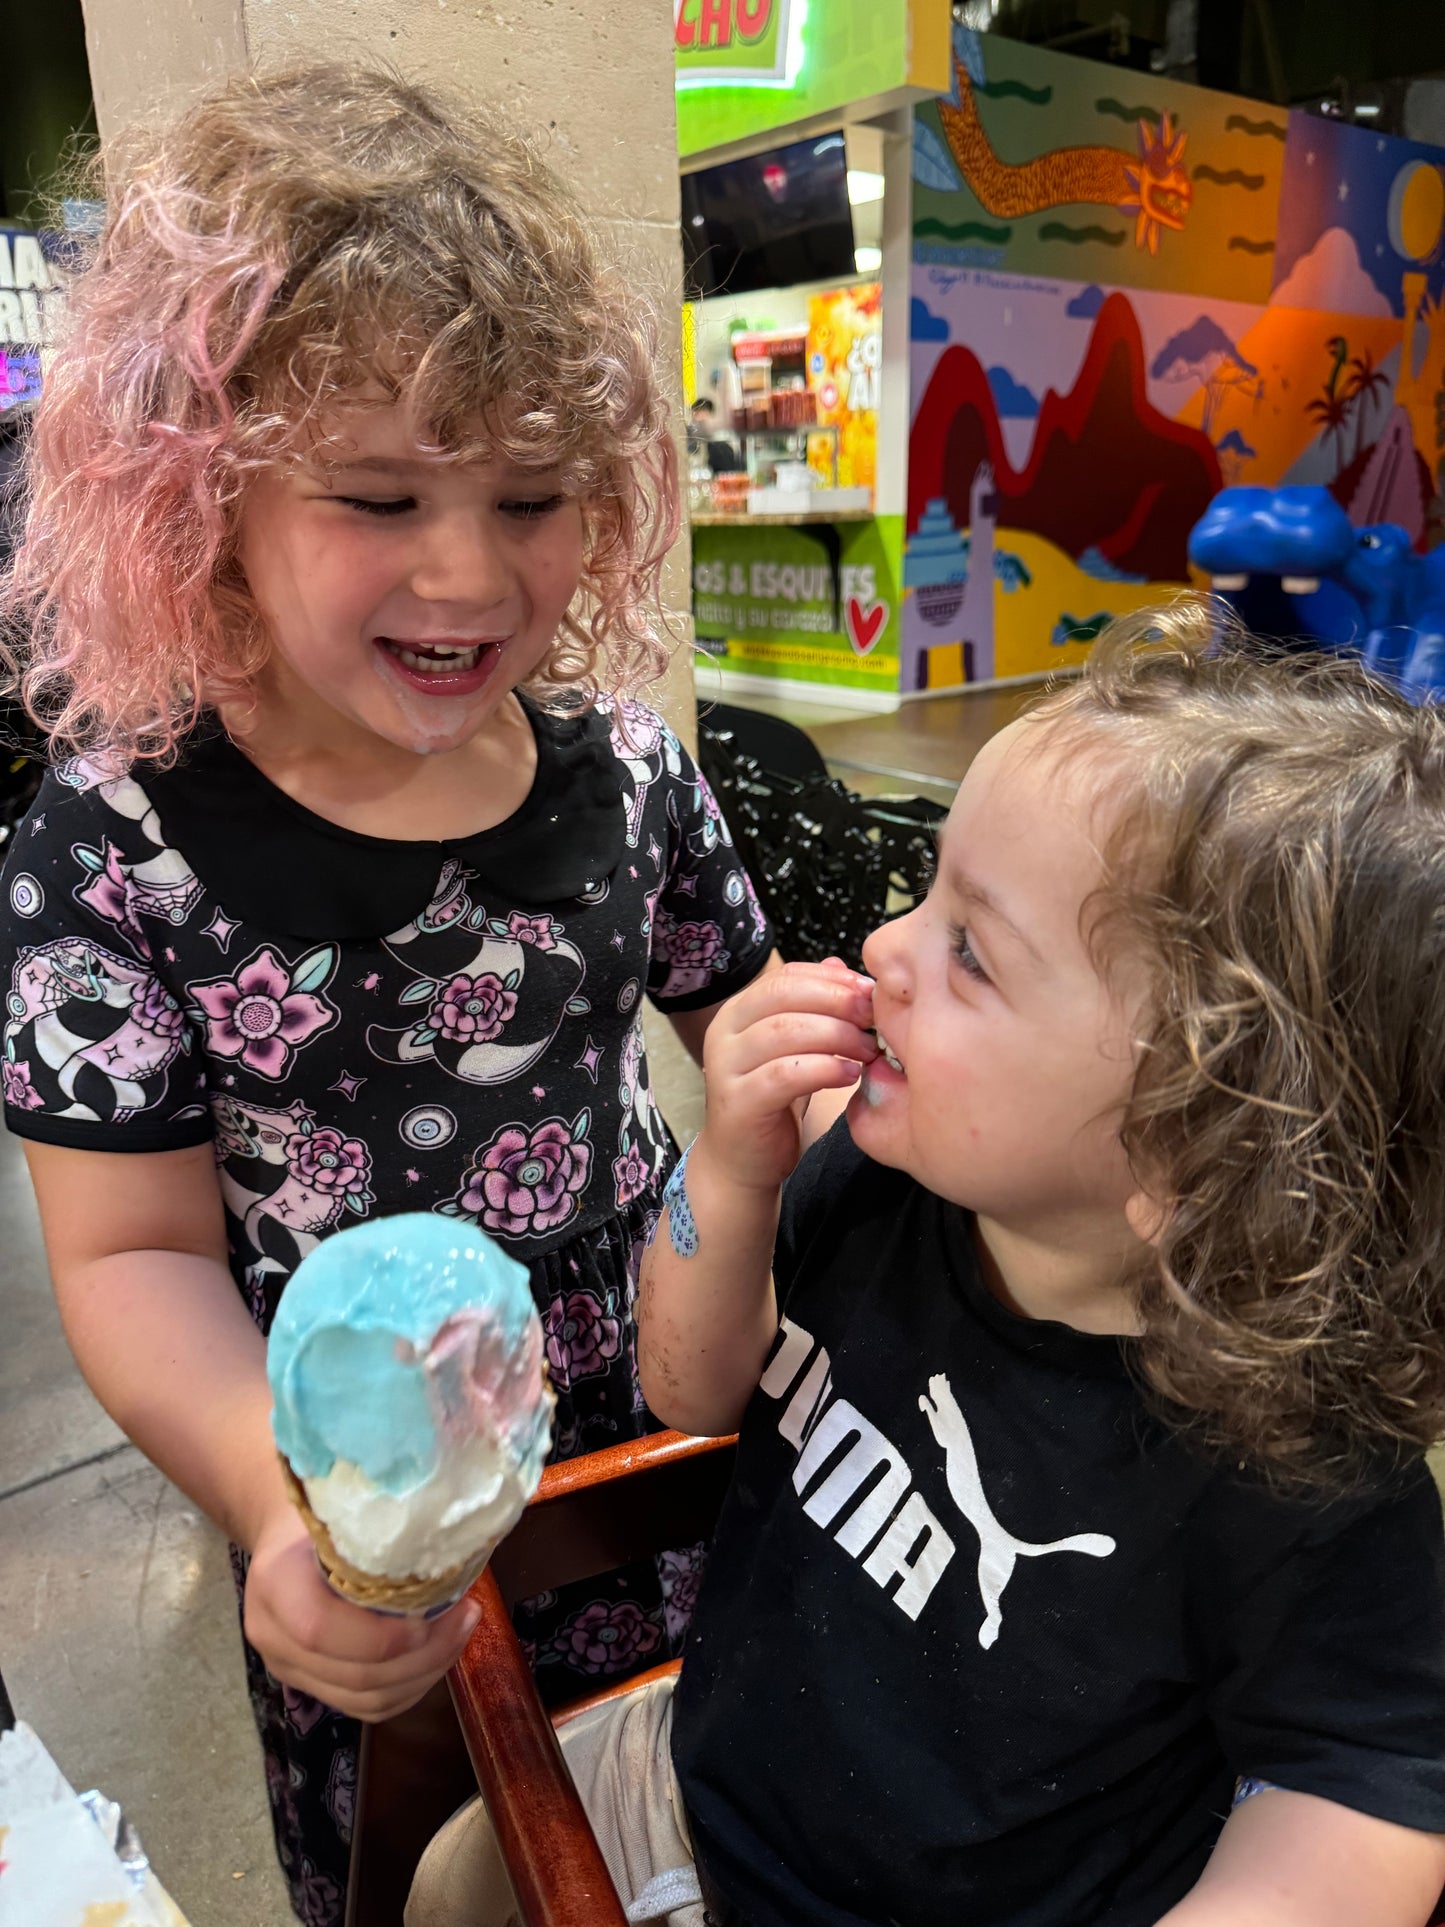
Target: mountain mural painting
{"points": [[1107, 470]]}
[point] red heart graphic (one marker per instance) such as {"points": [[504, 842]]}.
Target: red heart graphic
{"points": [[864, 628]]}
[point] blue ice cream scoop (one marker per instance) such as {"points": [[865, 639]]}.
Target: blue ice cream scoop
{"points": [[397, 1337]]}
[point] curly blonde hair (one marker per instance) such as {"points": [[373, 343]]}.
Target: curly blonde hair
{"points": [[1278, 862], [291, 237]]}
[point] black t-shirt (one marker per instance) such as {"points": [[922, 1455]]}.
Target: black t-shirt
{"points": [[982, 1642]]}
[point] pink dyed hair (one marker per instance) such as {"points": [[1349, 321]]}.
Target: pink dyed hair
{"points": [[291, 237]]}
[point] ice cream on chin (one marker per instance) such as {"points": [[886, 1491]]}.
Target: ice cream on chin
{"points": [[412, 1412]]}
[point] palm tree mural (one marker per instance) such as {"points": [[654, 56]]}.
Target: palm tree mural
{"points": [[1367, 380], [1332, 412], [1330, 408]]}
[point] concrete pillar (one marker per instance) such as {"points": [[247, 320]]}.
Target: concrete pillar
{"points": [[592, 78]]}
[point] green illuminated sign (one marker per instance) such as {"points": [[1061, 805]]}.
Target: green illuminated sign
{"points": [[745, 67], [772, 601], [739, 43]]}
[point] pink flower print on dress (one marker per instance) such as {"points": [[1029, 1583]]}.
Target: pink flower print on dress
{"points": [[473, 1010], [534, 930], [20, 1093], [631, 1173], [582, 1339], [695, 946], [267, 1011], [695, 953], [527, 1182], [328, 1162], [607, 1638]]}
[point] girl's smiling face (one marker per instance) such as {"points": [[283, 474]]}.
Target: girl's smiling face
{"points": [[405, 596], [1016, 1054]]}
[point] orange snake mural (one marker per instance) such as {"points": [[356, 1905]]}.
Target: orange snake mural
{"points": [[1153, 186]]}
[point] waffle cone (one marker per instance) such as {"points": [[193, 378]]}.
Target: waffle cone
{"points": [[414, 1596]]}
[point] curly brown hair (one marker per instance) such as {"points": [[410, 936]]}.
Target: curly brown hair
{"points": [[294, 239], [1278, 862]]}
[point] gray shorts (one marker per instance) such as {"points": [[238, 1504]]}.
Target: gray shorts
{"points": [[620, 1756]]}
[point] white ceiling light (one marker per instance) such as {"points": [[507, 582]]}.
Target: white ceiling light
{"points": [[864, 186], [867, 260]]}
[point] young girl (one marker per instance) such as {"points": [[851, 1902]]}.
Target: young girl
{"points": [[1085, 1382], [351, 483]]}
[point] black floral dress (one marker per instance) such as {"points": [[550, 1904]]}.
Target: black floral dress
{"points": [[364, 1027]]}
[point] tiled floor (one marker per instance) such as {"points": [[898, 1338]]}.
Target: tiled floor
{"points": [[117, 1615]]}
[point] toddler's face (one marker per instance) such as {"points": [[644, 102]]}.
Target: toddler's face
{"points": [[1016, 1054], [402, 595]]}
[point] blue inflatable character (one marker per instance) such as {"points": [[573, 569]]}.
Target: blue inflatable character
{"points": [[1295, 569]]}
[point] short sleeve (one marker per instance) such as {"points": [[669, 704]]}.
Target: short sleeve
{"points": [[709, 933], [1334, 1677], [98, 1054]]}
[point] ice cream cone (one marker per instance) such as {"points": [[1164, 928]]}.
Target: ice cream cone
{"points": [[412, 1409], [414, 1597]]}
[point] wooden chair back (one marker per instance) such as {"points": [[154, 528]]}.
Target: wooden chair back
{"points": [[485, 1725]]}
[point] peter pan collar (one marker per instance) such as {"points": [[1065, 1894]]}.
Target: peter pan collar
{"points": [[272, 862]]}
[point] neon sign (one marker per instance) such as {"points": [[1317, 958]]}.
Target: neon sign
{"points": [[738, 43]]}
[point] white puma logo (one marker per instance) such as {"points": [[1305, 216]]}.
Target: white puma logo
{"points": [[998, 1550]]}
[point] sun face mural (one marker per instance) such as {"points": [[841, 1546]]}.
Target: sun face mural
{"points": [[1102, 338]]}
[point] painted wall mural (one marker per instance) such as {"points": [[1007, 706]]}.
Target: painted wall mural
{"points": [[1122, 305]]}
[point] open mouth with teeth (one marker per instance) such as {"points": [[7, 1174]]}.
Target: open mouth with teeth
{"points": [[887, 1053], [451, 668]]}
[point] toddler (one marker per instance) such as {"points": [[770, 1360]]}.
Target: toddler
{"points": [[1085, 1379]]}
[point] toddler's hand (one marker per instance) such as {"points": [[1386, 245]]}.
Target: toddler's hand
{"points": [[794, 1031], [360, 1662]]}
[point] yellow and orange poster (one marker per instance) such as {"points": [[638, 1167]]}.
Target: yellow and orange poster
{"points": [[844, 356]]}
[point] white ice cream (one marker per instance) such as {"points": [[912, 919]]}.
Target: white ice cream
{"points": [[471, 1501]]}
